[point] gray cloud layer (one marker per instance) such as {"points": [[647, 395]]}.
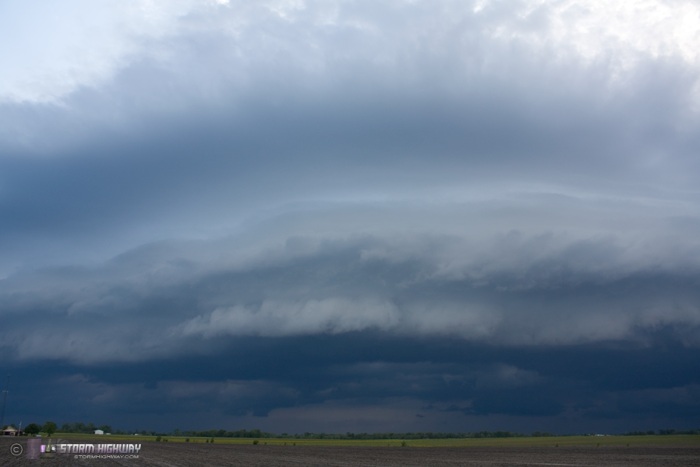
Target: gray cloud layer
{"points": [[183, 180]]}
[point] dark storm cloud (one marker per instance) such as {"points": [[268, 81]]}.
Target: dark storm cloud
{"points": [[308, 215], [364, 320], [449, 382]]}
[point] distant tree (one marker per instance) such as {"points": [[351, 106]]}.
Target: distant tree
{"points": [[105, 428], [32, 429], [49, 428]]}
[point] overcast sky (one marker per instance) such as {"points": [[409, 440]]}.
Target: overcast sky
{"points": [[325, 215]]}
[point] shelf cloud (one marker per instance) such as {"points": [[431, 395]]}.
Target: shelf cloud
{"points": [[308, 215]]}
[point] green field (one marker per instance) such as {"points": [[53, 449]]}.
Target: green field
{"points": [[522, 442]]}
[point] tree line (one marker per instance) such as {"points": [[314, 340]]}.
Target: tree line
{"points": [[255, 433], [51, 427], [89, 428]]}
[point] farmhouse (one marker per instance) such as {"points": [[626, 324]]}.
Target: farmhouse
{"points": [[99, 432], [10, 431]]}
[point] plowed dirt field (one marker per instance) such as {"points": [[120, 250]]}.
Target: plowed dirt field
{"points": [[198, 455]]}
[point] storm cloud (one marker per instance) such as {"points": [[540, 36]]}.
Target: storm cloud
{"points": [[351, 215]]}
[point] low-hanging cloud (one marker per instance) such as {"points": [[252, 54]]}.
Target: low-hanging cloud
{"points": [[535, 286], [330, 315]]}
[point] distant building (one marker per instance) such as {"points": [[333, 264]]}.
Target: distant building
{"points": [[99, 432], [10, 431]]}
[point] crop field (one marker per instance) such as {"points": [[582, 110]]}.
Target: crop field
{"points": [[562, 451]]}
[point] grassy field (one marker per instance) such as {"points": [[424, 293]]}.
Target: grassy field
{"points": [[524, 442]]}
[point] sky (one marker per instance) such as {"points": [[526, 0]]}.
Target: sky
{"points": [[351, 216]]}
